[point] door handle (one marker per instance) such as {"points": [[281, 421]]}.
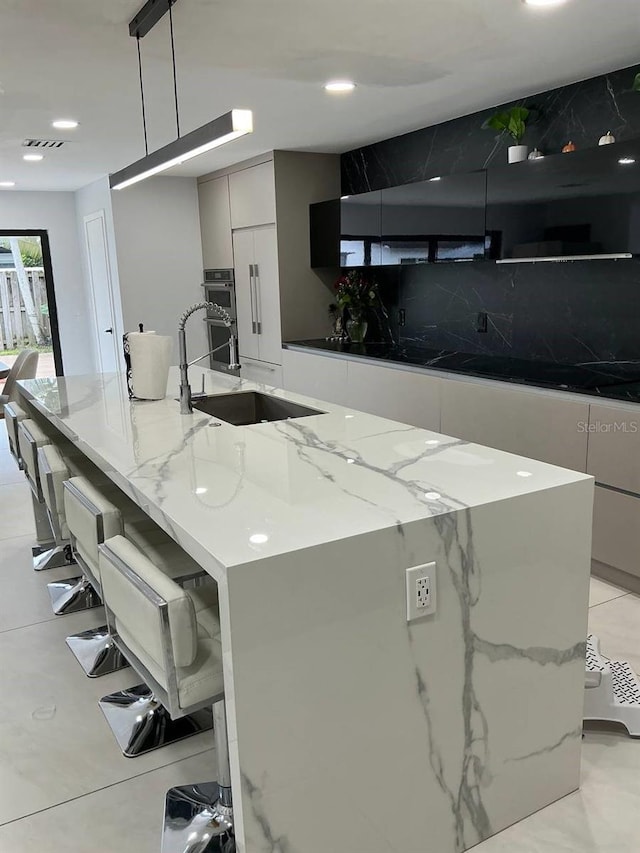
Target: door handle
{"points": [[256, 280], [109, 331], [252, 299]]}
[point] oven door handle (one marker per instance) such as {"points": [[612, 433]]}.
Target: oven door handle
{"points": [[252, 283]]}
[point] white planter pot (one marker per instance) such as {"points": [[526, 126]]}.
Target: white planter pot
{"points": [[518, 153]]}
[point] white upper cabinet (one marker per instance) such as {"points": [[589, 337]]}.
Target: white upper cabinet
{"points": [[215, 224], [252, 194]]}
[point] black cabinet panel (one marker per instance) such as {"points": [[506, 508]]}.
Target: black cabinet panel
{"points": [[579, 203], [346, 232], [442, 219]]}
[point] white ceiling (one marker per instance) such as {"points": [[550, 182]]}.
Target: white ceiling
{"points": [[417, 62]]}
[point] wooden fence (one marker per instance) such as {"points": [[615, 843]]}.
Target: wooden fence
{"points": [[15, 329]]}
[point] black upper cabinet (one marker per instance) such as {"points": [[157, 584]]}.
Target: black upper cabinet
{"points": [[579, 203], [435, 221], [346, 232]]}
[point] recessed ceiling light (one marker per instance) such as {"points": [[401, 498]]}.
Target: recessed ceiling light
{"points": [[350, 461], [258, 539], [32, 158], [343, 197], [437, 178], [7, 183], [339, 86], [64, 124], [432, 442], [432, 496], [626, 161], [201, 490], [524, 473], [544, 2]]}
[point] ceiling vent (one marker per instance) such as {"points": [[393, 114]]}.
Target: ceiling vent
{"points": [[43, 143]]}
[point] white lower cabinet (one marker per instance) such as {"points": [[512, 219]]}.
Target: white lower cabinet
{"points": [[614, 446], [262, 372], [616, 530], [400, 395], [316, 376], [544, 427]]}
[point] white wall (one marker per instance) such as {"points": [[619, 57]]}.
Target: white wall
{"points": [[55, 213], [91, 199], [159, 250]]}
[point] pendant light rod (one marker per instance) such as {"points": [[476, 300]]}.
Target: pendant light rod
{"points": [[175, 78], [146, 19], [144, 111]]}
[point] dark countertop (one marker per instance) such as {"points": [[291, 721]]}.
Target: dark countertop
{"points": [[618, 380]]}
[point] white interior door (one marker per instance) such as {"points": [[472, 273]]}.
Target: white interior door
{"points": [[105, 330], [243, 257], [267, 288]]}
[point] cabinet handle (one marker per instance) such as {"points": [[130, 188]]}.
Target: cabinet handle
{"points": [[256, 280], [251, 299]]}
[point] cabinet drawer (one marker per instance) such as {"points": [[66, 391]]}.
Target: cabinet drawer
{"points": [[614, 447], [400, 395], [616, 530], [252, 195], [261, 372], [316, 376], [536, 425]]}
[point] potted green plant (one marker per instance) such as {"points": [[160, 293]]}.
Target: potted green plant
{"points": [[514, 123]]}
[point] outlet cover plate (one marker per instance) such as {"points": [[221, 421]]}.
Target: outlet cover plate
{"points": [[421, 591]]}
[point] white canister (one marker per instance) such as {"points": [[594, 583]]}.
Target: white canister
{"points": [[150, 358]]}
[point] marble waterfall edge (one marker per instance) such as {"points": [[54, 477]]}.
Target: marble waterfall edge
{"points": [[385, 736]]}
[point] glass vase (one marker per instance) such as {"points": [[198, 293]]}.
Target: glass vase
{"points": [[357, 329]]}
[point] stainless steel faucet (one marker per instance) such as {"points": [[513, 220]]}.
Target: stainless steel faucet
{"points": [[186, 407]]}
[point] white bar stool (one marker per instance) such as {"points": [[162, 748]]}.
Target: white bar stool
{"points": [[31, 437], [95, 513], [171, 637], [13, 414], [53, 471]]}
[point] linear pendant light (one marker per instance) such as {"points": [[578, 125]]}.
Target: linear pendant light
{"points": [[221, 130], [230, 126]]}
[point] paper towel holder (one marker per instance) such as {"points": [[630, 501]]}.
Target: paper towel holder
{"points": [[127, 358]]}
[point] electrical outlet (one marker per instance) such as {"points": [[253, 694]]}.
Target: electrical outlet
{"points": [[421, 591]]}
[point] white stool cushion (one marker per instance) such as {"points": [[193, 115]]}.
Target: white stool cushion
{"points": [[30, 437], [13, 413], [139, 617], [50, 457], [82, 521], [194, 630]]}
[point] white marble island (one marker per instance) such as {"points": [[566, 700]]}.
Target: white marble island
{"points": [[352, 730]]}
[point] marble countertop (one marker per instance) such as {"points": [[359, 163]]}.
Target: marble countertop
{"points": [[230, 495], [616, 380]]}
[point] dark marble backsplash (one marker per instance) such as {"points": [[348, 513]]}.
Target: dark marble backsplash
{"points": [[575, 312], [581, 112]]}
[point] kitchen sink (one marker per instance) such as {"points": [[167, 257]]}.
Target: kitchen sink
{"points": [[251, 407]]}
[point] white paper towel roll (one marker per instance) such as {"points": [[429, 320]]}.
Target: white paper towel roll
{"points": [[150, 355]]}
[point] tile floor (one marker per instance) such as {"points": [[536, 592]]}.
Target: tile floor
{"points": [[65, 787]]}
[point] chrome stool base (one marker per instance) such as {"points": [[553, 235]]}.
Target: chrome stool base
{"points": [[72, 595], [53, 558], [196, 821], [96, 652], [140, 722]]}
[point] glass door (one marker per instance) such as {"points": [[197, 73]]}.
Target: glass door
{"points": [[28, 317]]}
